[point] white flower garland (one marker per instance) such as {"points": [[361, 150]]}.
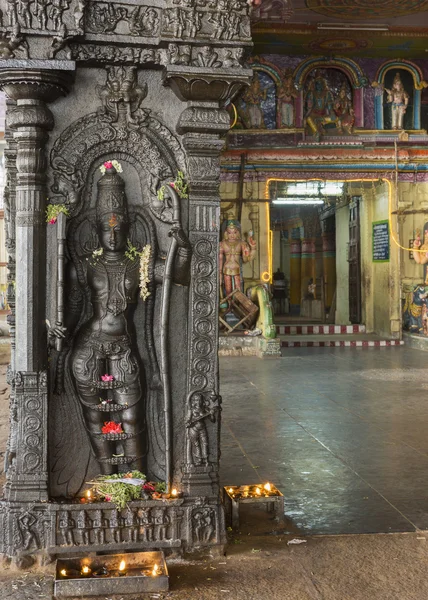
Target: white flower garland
{"points": [[144, 271]]}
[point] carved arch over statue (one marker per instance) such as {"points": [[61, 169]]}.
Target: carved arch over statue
{"points": [[350, 68], [418, 85], [151, 156]]}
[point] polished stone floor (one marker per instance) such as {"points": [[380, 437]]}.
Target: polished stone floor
{"points": [[342, 432]]}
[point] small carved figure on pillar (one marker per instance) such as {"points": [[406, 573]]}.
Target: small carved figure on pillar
{"points": [[233, 252], [198, 449], [66, 526], [253, 96], [28, 532], [399, 99]]}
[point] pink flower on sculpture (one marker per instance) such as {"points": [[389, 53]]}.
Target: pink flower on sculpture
{"points": [[52, 221], [149, 487], [107, 377], [108, 164], [172, 184], [111, 427], [108, 498]]}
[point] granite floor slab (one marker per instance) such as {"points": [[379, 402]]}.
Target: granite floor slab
{"points": [[341, 431]]}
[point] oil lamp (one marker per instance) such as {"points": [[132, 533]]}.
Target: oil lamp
{"points": [[155, 571], [122, 568], [86, 571], [63, 573]]}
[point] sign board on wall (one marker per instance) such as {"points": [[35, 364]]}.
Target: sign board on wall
{"points": [[381, 241]]}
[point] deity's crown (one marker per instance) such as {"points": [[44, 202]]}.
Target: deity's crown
{"points": [[111, 198], [233, 223]]}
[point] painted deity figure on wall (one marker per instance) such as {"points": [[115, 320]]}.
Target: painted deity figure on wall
{"points": [[344, 111], [414, 312], [320, 107], [286, 95], [233, 252], [421, 256], [399, 99], [252, 113]]}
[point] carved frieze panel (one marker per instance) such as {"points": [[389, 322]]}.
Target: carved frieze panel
{"points": [[102, 526], [119, 18], [43, 16]]}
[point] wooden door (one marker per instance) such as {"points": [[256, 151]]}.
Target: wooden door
{"points": [[354, 261]]}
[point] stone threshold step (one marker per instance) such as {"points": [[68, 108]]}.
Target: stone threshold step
{"points": [[319, 329]]}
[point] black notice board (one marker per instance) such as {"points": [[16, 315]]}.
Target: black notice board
{"points": [[381, 241]]}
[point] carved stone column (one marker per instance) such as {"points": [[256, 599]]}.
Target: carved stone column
{"points": [[201, 124], [31, 86]]}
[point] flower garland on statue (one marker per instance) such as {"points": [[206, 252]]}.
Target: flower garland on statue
{"points": [[53, 210], [179, 185], [132, 254], [109, 164]]}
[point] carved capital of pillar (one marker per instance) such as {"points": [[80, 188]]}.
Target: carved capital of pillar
{"points": [[204, 84]]}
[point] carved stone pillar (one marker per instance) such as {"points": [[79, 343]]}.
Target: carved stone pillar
{"points": [[30, 121], [201, 124]]}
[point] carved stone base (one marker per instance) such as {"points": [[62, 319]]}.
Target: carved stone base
{"points": [[181, 525]]}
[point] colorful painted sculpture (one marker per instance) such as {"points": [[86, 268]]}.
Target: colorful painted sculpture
{"points": [[252, 113], [344, 111], [399, 99], [421, 257], [320, 107], [286, 95], [233, 252], [414, 312]]}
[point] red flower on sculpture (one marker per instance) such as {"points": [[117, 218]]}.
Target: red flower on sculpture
{"points": [[52, 221], [107, 498], [107, 377], [111, 427], [149, 487], [108, 164]]}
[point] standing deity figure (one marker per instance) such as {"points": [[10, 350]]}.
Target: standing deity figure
{"points": [[344, 111], [253, 96], [286, 96], [103, 359], [399, 99], [421, 257], [197, 431], [320, 107], [233, 252]]}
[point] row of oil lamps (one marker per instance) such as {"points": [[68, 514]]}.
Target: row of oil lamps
{"points": [[253, 491], [122, 570], [90, 497]]}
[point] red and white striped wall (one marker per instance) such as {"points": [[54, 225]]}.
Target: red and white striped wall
{"points": [[319, 329]]}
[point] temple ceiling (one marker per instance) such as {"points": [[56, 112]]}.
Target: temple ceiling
{"points": [[329, 27]]}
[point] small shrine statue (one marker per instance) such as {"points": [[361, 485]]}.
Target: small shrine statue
{"points": [[320, 107], [421, 256], [233, 252], [399, 99], [344, 111], [414, 313], [286, 96], [253, 96]]}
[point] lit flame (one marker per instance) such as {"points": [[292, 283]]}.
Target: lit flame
{"points": [[88, 494], [155, 570], [86, 570], [258, 491], [63, 572], [122, 565], [174, 492], [268, 487], [230, 490]]}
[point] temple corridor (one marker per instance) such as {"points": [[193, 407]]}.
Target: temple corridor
{"points": [[341, 432]]}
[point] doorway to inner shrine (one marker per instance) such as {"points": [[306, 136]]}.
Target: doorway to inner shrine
{"points": [[324, 265]]}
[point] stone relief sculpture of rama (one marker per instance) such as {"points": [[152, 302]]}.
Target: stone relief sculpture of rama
{"points": [[106, 370]]}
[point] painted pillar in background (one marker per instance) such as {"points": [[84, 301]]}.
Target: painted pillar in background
{"points": [[329, 265], [308, 266], [295, 276]]}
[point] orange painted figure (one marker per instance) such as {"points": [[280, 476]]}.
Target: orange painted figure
{"points": [[233, 252]]}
